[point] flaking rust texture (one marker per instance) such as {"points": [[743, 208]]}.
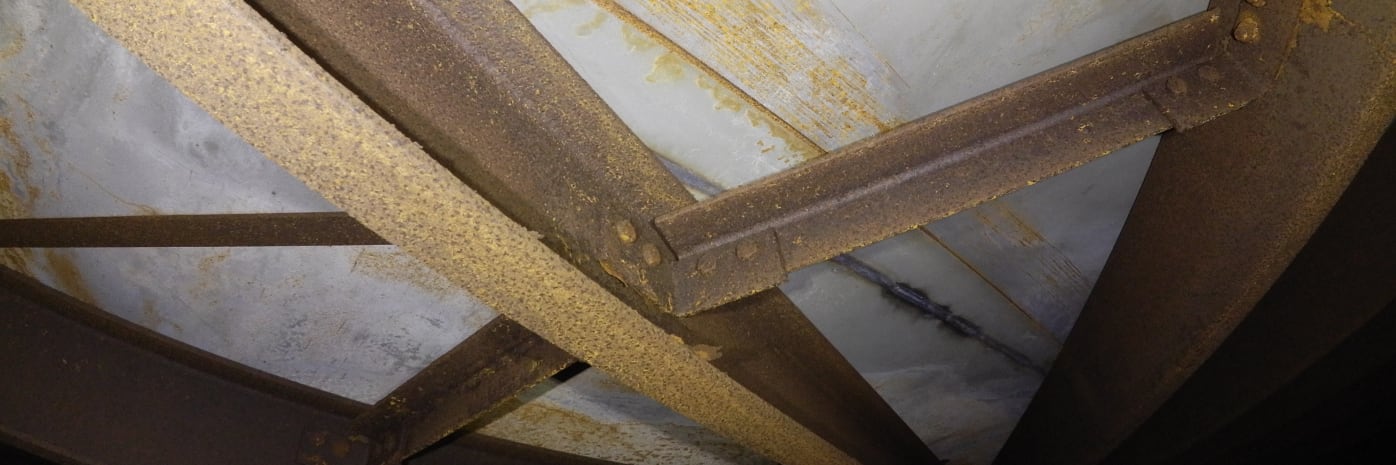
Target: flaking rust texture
{"points": [[229, 60]]}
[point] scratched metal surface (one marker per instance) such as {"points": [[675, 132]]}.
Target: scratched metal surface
{"points": [[89, 130]]}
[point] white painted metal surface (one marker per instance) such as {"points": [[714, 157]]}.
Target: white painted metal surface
{"points": [[731, 90]]}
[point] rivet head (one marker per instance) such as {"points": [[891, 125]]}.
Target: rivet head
{"points": [[650, 254], [1209, 73], [1177, 85], [707, 265], [625, 231], [1247, 29], [746, 250]]}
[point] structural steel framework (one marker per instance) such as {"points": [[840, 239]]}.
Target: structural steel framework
{"points": [[1233, 250]]}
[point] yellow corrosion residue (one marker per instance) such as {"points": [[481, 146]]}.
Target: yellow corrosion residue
{"points": [[724, 98], [531, 8], [765, 48], [11, 206], [668, 67], [725, 95], [591, 26], [1318, 12], [225, 57], [67, 275]]}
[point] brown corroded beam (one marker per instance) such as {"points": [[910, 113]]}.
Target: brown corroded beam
{"points": [[230, 61], [1223, 211], [487, 96]]}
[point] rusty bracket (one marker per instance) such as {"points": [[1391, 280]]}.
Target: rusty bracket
{"points": [[1176, 77]]}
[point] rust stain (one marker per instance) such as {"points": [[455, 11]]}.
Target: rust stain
{"points": [[764, 46], [22, 162], [534, 8], [150, 318], [1319, 13], [14, 46], [796, 143], [68, 277], [726, 95], [11, 204], [591, 26], [668, 67], [206, 264]]}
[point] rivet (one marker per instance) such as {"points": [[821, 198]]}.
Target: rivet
{"points": [[650, 254], [707, 264], [1209, 73], [1177, 85], [746, 250], [1247, 28], [625, 230], [1256, 3]]}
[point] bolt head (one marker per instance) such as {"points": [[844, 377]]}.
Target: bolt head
{"points": [[650, 254], [625, 231], [1247, 29], [1177, 85]]}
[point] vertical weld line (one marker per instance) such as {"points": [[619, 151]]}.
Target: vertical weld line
{"points": [[639, 24], [991, 283]]}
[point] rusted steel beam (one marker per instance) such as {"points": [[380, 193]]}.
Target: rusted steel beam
{"points": [[748, 238], [486, 96], [86, 387], [490, 367], [1343, 277], [222, 230], [296, 114], [1224, 209]]}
